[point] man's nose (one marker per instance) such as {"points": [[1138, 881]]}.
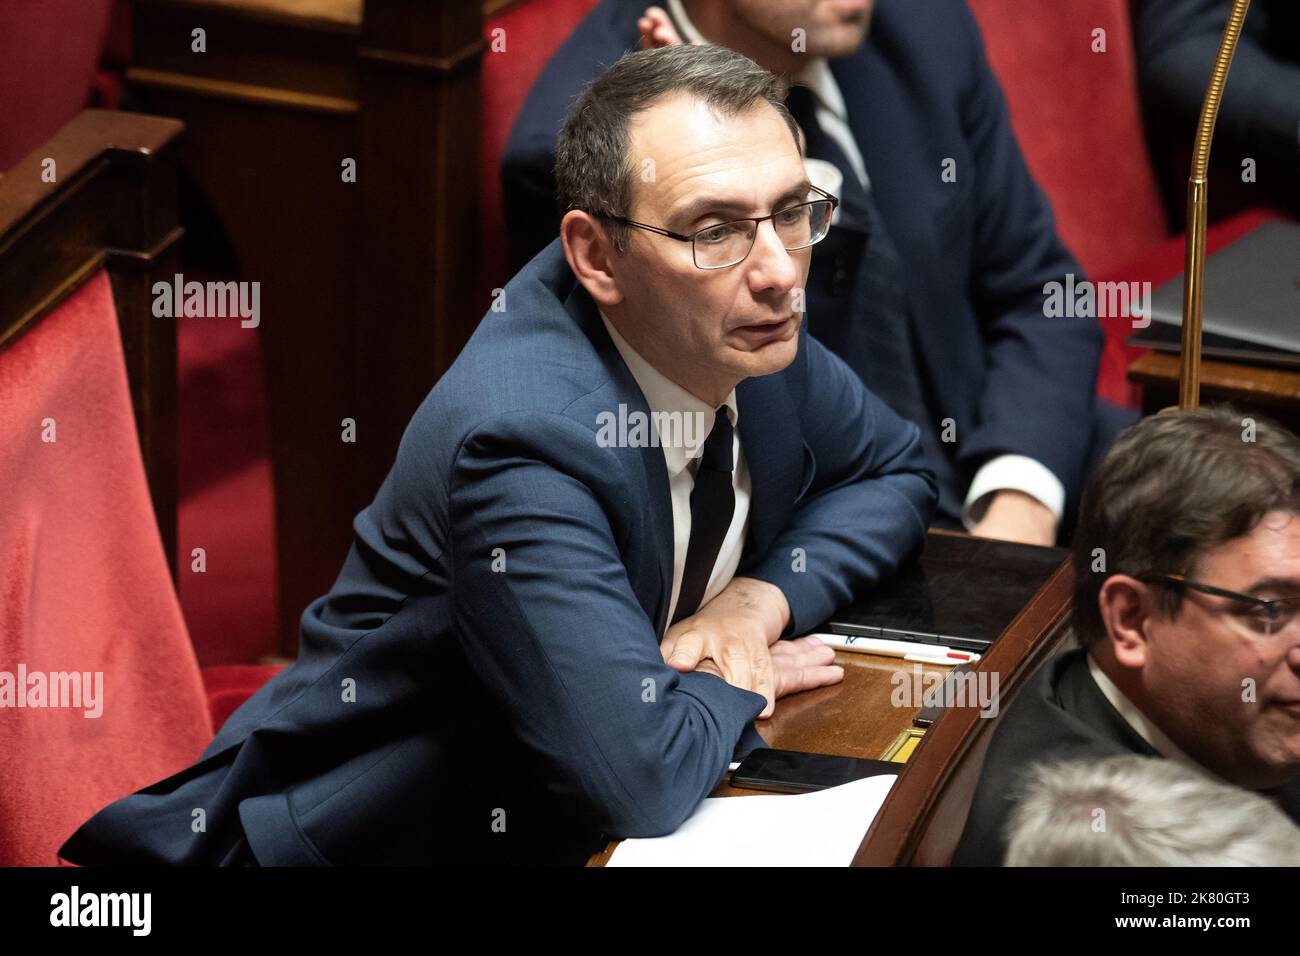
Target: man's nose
{"points": [[771, 267], [1293, 655]]}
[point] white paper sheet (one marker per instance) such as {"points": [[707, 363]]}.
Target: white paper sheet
{"points": [[823, 828]]}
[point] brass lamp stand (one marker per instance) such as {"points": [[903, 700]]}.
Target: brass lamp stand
{"points": [[1189, 375]]}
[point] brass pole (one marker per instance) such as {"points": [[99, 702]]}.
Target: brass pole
{"points": [[1189, 375]]}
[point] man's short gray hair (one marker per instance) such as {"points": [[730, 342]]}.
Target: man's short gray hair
{"points": [[593, 171], [1144, 811]]}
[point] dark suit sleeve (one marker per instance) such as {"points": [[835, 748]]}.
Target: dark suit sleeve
{"points": [[1041, 372], [559, 639], [869, 502], [1178, 41]]}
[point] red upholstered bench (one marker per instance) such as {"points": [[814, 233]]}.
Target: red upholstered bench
{"points": [[1075, 109], [532, 31], [228, 685], [49, 54], [86, 588]]}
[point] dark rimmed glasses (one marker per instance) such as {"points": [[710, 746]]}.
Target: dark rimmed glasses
{"points": [[1262, 615], [730, 243]]}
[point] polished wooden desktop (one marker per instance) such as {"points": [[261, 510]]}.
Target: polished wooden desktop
{"points": [[856, 718]]}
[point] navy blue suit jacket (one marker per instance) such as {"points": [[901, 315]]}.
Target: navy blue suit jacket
{"points": [[976, 252], [484, 682]]}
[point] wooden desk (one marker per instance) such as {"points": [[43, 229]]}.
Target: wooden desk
{"points": [[856, 718], [1270, 391]]}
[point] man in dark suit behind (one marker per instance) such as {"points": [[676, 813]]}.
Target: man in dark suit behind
{"points": [[564, 607], [1177, 43], [1187, 604], [931, 285]]}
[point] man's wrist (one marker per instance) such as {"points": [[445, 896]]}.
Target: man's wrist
{"points": [[1019, 516], [763, 601]]}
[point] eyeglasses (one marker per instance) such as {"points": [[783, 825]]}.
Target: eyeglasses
{"points": [[729, 243], [1263, 616]]}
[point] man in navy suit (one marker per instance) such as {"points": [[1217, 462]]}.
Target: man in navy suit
{"points": [[931, 285], [638, 476]]}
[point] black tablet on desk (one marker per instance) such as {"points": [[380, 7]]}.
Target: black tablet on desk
{"points": [[962, 593]]}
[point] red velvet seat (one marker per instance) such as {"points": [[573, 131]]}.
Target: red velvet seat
{"points": [[1077, 115], [84, 586], [532, 31], [49, 54]]}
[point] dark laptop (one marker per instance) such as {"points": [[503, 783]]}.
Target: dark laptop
{"points": [[962, 593], [1252, 302]]}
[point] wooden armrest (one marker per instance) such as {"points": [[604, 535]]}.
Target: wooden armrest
{"points": [[101, 194]]}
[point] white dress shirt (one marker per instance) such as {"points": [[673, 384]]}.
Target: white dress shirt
{"points": [[1003, 473], [681, 457]]}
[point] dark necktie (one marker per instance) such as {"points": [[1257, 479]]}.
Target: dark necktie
{"points": [[874, 335], [713, 503]]}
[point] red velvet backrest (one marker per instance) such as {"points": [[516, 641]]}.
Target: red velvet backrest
{"points": [[84, 589], [1078, 119], [49, 53], [520, 41]]}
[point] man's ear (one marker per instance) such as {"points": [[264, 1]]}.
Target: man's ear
{"points": [[590, 253], [1126, 606]]}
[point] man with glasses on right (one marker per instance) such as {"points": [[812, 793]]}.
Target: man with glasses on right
{"points": [[1187, 604]]}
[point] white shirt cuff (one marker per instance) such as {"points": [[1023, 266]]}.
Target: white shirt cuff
{"points": [[1012, 473]]}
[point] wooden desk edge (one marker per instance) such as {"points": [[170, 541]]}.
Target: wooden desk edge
{"points": [[892, 837]]}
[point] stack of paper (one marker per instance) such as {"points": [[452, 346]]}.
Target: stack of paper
{"points": [[823, 828]]}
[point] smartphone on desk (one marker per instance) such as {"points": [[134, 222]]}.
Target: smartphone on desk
{"points": [[793, 771]]}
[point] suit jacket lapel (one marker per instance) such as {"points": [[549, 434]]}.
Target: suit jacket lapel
{"points": [[1081, 697], [772, 443], [645, 461]]}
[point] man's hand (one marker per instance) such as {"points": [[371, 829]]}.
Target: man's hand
{"points": [[801, 664], [657, 29], [734, 631], [1016, 516]]}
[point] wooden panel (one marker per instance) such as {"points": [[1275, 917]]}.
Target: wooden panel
{"points": [[302, 12], [365, 283], [112, 206]]}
